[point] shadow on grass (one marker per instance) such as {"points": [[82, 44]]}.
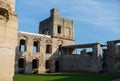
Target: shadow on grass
{"points": [[88, 77], [67, 77]]}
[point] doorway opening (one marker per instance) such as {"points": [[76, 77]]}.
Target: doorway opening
{"points": [[57, 63], [35, 64], [21, 66]]}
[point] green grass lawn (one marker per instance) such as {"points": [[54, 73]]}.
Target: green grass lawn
{"points": [[67, 77]]}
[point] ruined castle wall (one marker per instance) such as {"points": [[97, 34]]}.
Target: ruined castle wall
{"points": [[78, 63], [8, 41], [83, 62], [42, 56], [112, 57], [62, 32], [29, 55]]}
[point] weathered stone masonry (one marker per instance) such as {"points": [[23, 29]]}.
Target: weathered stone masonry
{"points": [[56, 36], [111, 57], [53, 50], [52, 37], [8, 39]]}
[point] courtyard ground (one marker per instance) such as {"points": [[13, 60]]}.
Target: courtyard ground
{"points": [[67, 77]]}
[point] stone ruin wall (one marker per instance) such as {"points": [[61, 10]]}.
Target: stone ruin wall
{"points": [[82, 62], [8, 40], [111, 57]]}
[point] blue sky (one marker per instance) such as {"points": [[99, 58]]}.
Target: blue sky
{"points": [[94, 20]]}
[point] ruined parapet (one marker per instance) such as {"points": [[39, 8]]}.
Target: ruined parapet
{"points": [[54, 12], [112, 58], [8, 39]]}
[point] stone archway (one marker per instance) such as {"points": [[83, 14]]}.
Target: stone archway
{"points": [[35, 65], [21, 65], [104, 67], [48, 66]]}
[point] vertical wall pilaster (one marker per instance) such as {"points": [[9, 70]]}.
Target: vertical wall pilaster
{"points": [[8, 39]]}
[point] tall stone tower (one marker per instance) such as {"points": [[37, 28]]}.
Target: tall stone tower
{"points": [[8, 39], [57, 27], [62, 32]]}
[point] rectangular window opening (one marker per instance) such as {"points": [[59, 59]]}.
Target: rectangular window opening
{"points": [[59, 30], [22, 46], [36, 47], [48, 48]]}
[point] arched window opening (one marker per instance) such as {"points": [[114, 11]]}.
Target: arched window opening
{"points": [[48, 48], [22, 46], [21, 63], [21, 66], [36, 47], [35, 63], [47, 64]]}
